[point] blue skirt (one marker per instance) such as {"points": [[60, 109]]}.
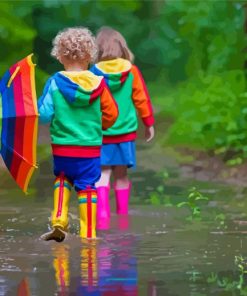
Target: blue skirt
{"points": [[119, 154]]}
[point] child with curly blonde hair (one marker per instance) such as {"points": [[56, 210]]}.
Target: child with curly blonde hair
{"points": [[78, 105], [115, 63]]}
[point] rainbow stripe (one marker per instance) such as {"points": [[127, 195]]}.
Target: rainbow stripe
{"points": [[83, 196], [19, 121], [113, 80], [66, 184]]}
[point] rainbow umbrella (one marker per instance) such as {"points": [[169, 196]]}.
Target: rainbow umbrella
{"points": [[19, 121]]}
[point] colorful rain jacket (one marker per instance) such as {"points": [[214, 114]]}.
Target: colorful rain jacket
{"points": [[78, 106], [129, 90]]}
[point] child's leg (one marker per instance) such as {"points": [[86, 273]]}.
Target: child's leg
{"points": [[103, 191], [87, 200], [105, 176], [120, 176], [88, 173], [62, 192], [122, 188], [59, 219]]}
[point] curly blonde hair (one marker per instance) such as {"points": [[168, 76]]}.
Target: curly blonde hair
{"points": [[74, 43]]}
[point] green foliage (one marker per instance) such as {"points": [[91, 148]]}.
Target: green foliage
{"points": [[193, 52], [230, 284], [193, 203], [158, 197], [16, 32], [211, 112], [221, 220], [209, 107]]}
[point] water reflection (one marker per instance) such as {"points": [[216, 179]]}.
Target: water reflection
{"points": [[89, 266], [61, 266], [152, 290], [107, 266], [23, 288], [173, 254]]}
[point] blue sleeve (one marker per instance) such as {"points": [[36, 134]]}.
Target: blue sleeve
{"points": [[45, 104]]}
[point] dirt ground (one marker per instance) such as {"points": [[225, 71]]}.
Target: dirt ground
{"points": [[213, 168]]}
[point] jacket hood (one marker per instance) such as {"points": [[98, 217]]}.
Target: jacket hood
{"points": [[79, 88], [114, 71]]}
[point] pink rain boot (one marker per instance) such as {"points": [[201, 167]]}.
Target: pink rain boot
{"points": [[122, 199], [103, 207]]}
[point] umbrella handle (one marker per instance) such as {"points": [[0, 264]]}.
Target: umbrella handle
{"points": [[13, 76]]}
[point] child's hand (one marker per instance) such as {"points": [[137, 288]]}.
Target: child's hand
{"points": [[149, 133]]}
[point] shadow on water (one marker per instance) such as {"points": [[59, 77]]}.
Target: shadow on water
{"points": [[156, 250]]}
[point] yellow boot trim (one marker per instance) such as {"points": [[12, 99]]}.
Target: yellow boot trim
{"points": [[87, 208], [62, 192], [61, 265]]}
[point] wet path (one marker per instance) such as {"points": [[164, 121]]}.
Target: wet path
{"points": [[156, 250]]}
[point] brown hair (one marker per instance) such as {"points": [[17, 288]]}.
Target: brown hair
{"points": [[112, 45]]}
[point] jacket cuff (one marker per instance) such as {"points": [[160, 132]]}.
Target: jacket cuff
{"points": [[148, 121]]}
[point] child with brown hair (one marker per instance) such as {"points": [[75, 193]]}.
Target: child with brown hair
{"points": [[78, 105], [128, 88]]}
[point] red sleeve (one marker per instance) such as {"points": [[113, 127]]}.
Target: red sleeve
{"points": [[141, 98], [109, 108]]}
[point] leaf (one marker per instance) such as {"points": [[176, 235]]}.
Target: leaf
{"points": [[202, 198], [154, 199], [181, 204], [160, 188], [196, 211], [220, 216], [212, 278]]}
